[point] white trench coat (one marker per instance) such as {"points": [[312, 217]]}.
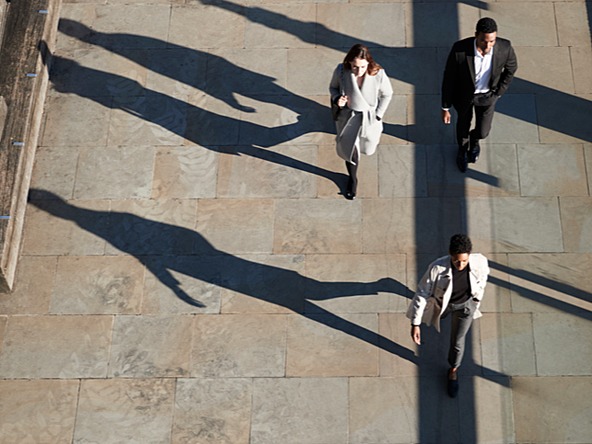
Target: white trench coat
{"points": [[359, 130]]}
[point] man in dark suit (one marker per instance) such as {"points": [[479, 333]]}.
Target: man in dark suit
{"points": [[478, 72]]}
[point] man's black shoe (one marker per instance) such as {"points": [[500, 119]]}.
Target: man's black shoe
{"points": [[474, 152], [452, 388], [462, 160]]}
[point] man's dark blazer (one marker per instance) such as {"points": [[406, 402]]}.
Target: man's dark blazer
{"points": [[458, 86]]}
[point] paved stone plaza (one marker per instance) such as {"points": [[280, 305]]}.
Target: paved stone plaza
{"points": [[191, 273]]}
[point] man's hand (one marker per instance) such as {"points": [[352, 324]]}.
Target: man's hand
{"points": [[416, 334], [446, 116]]}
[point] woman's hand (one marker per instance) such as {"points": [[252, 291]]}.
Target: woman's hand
{"points": [[416, 334], [342, 101]]}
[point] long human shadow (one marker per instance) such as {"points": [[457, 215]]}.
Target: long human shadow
{"points": [[551, 284], [200, 70], [208, 129], [165, 248], [563, 112], [211, 74]]}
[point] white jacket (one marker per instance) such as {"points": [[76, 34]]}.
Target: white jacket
{"points": [[435, 288], [360, 130]]}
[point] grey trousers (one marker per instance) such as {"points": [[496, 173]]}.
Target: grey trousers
{"points": [[462, 319]]}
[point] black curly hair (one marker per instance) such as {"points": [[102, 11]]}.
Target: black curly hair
{"points": [[459, 244]]}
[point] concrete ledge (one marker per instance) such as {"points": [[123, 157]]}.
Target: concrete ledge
{"points": [[29, 31]]}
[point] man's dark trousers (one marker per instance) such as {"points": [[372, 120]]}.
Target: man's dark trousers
{"points": [[484, 109]]}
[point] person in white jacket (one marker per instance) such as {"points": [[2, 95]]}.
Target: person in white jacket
{"points": [[452, 285], [362, 91]]}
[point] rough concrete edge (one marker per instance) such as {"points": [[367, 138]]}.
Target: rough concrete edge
{"points": [[10, 255]]}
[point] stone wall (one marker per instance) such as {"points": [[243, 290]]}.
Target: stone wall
{"points": [[28, 33]]}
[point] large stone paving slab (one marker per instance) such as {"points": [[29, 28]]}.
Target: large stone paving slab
{"points": [[182, 285], [56, 347], [573, 26], [557, 126], [120, 410], [558, 77], [581, 58], [371, 283], [142, 227], [576, 219], [515, 119], [185, 19], [337, 21], [406, 224], [150, 346], [553, 409], [511, 224], [186, 172], [332, 345], [493, 418], [508, 344], [72, 227], [97, 285], [237, 226], [31, 296], [510, 19], [213, 410], [299, 410], [383, 410], [317, 226], [559, 351], [550, 283], [115, 173], [230, 346], [495, 174], [280, 172], [264, 284], [275, 16], [38, 411], [402, 171], [118, 25], [65, 114], [55, 170], [541, 176]]}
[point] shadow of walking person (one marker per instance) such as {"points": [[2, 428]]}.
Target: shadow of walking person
{"points": [[164, 248], [206, 128]]}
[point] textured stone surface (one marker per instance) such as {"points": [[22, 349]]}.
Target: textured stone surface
{"points": [[133, 410], [332, 345], [296, 410], [97, 285], [38, 410], [148, 347], [554, 409], [541, 177], [212, 410], [239, 346], [38, 347], [204, 279]]}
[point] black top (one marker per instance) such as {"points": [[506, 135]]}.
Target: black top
{"points": [[461, 285]]}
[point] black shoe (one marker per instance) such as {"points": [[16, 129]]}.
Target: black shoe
{"points": [[350, 193], [452, 388], [462, 161], [452, 384], [474, 152]]}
